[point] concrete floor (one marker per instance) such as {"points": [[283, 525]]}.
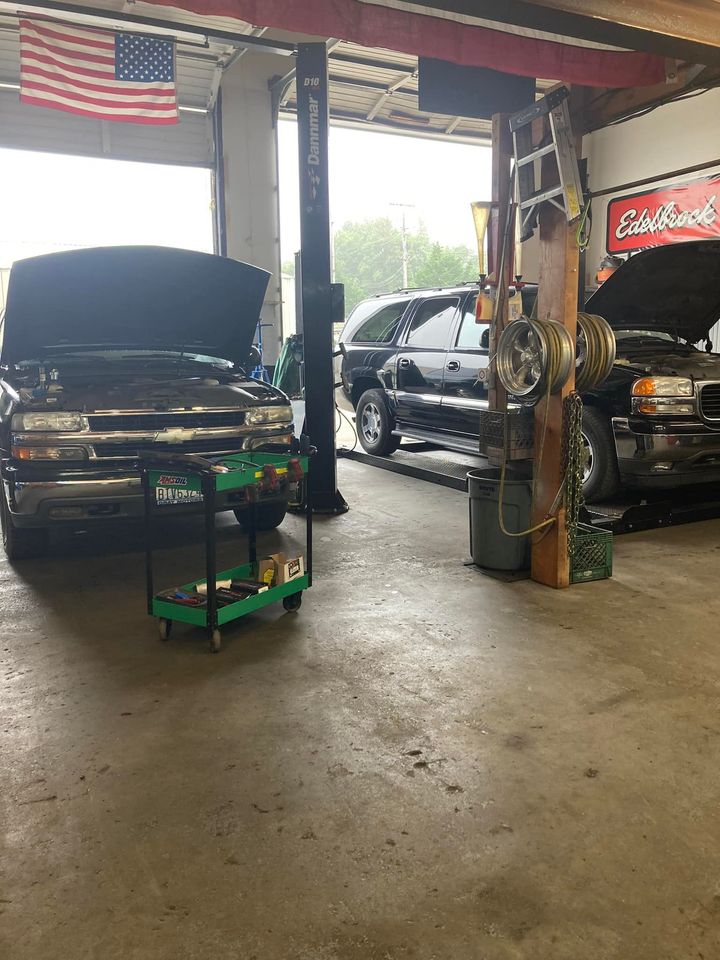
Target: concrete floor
{"points": [[423, 763]]}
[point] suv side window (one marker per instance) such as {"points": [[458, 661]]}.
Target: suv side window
{"points": [[430, 326], [382, 323], [472, 335]]}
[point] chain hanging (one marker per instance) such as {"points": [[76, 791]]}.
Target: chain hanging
{"points": [[574, 460]]}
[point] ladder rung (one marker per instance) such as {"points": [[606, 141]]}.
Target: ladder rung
{"points": [[536, 154], [541, 197]]}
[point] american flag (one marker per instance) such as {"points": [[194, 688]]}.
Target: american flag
{"points": [[109, 76]]}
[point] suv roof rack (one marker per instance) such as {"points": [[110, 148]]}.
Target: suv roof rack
{"points": [[444, 286]]}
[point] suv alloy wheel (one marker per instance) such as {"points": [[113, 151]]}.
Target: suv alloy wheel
{"points": [[375, 425]]}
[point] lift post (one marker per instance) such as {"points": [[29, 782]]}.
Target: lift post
{"points": [[315, 258]]}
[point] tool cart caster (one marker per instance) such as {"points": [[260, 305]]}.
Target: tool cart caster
{"points": [[215, 642], [165, 628], [292, 602]]}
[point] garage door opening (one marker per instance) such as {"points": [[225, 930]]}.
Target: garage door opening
{"points": [[54, 202]]}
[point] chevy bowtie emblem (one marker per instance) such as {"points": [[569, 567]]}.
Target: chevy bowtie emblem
{"points": [[175, 435]]}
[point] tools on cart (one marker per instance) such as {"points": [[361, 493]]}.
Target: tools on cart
{"points": [[219, 598]]}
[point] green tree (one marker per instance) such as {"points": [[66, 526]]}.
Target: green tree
{"points": [[369, 260]]}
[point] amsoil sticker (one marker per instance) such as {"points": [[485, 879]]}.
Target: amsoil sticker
{"points": [[169, 480]]}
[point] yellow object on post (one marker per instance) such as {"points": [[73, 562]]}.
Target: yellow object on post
{"points": [[481, 218]]}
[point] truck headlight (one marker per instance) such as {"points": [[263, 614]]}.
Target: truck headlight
{"points": [[269, 415], [50, 421], [48, 453], [665, 396]]}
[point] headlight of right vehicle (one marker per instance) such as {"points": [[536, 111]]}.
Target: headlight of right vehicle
{"points": [[664, 396]]}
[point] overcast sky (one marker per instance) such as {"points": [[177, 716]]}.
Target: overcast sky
{"points": [[52, 202], [369, 172]]}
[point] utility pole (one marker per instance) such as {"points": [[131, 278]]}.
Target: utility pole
{"points": [[405, 257]]}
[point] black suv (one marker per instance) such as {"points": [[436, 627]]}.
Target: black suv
{"points": [[413, 365]]}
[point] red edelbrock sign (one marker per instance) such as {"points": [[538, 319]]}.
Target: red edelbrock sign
{"points": [[680, 211]]}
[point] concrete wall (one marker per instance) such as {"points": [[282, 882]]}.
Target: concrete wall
{"points": [[251, 178], [674, 136]]}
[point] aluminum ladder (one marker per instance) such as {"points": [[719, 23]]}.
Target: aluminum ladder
{"points": [[567, 194]]}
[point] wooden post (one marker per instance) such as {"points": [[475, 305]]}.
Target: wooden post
{"points": [[501, 157], [557, 300]]}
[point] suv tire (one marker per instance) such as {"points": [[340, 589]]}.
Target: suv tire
{"points": [[20, 544], [269, 516], [601, 478], [375, 425]]}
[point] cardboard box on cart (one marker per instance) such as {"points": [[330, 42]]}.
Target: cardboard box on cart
{"points": [[277, 569]]}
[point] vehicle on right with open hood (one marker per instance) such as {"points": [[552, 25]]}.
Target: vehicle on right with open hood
{"points": [[414, 365]]}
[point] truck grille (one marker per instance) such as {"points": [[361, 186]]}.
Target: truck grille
{"points": [[124, 422], [710, 401], [134, 448]]}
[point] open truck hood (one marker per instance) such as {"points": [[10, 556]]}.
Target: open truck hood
{"points": [[675, 289], [151, 298]]}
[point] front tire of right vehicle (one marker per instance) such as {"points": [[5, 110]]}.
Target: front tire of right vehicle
{"points": [[19, 544], [375, 425], [601, 478]]}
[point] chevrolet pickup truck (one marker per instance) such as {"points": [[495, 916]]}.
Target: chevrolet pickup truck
{"points": [[110, 352]]}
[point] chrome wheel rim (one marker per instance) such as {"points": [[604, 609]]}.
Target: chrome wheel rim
{"points": [[371, 423], [534, 357], [520, 359]]}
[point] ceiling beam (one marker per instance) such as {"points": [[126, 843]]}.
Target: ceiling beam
{"points": [[630, 25], [603, 107], [391, 89], [181, 31]]}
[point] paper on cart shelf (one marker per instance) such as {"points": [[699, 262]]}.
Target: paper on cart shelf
{"points": [[201, 588]]}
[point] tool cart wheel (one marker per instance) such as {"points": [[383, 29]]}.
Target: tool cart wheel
{"points": [[165, 628], [292, 602], [215, 642]]}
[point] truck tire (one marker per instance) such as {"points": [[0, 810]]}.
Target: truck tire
{"points": [[20, 544], [269, 516], [375, 425], [601, 478]]}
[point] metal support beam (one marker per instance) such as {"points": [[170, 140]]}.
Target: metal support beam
{"points": [[281, 86], [313, 124], [183, 31], [391, 88]]}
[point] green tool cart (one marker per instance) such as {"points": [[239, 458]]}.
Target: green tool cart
{"points": [[190, 479]]}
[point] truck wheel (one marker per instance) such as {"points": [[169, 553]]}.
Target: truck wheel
{"points": [[601, 478], [375, 425], [20, 544], [269, 516]]}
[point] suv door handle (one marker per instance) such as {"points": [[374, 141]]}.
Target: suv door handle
{"points": [[404, 362], [452, 365]]}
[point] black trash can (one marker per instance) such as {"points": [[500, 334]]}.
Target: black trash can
{"points": [[489, 546]]}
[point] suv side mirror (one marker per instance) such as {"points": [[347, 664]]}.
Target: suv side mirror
{"points": [[253, 358]]}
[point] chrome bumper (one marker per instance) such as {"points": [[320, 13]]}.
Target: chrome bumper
{"points": [[666, 454], [39, 497]]}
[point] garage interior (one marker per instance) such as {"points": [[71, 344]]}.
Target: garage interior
{"points": [[426, 761]]}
